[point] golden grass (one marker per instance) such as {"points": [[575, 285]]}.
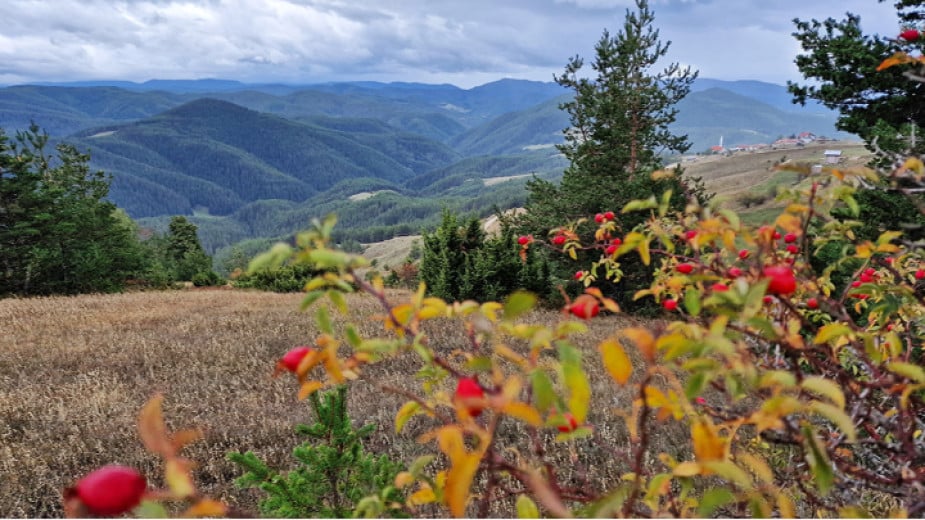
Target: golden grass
{"points": [[76, 370]]}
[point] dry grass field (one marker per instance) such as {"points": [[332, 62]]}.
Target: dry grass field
{"points": [[74, 371]]}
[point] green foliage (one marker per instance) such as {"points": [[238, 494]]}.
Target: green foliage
{"points": [[184, 250], [58, 233], [207, 279], [841, 62], [334, 472], [619, 125], [286, 278], [459, 262]]}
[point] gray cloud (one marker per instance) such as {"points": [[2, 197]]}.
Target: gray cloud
{"points": [[463, 42]]}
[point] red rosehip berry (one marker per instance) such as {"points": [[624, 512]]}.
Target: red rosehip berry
{"points": [[793, 249], [585, 307], [910, 35], [776, 235], [599, 218], [767, 300], [860, 296], [870, 271], [720, 287], [670, 305], [735, 272], [523, 240], [790, 238], [570, 423], [608, 215], [812, 303], [856, 284], [743, 254], [700, 400], [889, 260], [920, 274], [611, 249], [866, 278], [468, 390], [617, 241], [685, 268], [579, 275], [558, 240], [292, 358], [111, 490], [780, 279], [691, 234]]}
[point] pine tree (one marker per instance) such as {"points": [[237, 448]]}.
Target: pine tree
{"points": [[185, 251], [334, 472], [617, 138]]}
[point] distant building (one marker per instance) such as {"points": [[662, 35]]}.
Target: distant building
{"points": [[806, 137], [717, 149], [832, 156], [786, 143]]}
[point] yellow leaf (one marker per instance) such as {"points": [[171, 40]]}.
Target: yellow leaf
{"points": [[789, 223], [838, 417], [406, 412], [524, 412], [708, 445], [616, 361], [178, 479], [332, 366], [644, 252], [825, 388], [425, 495], [863, 250], [831, 331], [206, 507], [152, 430], [785, 506], [458, 481], [759, 466], [687, 469], [526, 508]]}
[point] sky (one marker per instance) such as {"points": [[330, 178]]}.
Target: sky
{"points": [[462, 42]]}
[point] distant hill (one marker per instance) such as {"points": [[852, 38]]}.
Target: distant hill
{"points": [[216, 156], [535, 127], [768, 93]]}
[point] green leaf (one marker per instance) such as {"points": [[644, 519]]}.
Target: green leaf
{"points": [[712, 500], [639, 204], [517, 304], [610, 505], [323, 319], [353, 336], [692, 301], [327, 259], [824, 387], [526, 508], [151, 509], [544, 397], [576, 381], [337, 298], [417, 467], [275, 257], [311, 298], [818, 461]]}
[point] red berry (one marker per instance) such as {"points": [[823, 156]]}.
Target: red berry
{"points": [[523, 240], [866, 278], [585, 307], [111, 490], [743, 254], [616, 241], [920, 274], [812, 303], [860, 296], [670, 305], [856, 284], [292, 358], [910, 35], [767, 300], [889, 326], [685, 268], [558, 240], [690, 234], [776, 235], [790, 238], [570, 423], [611, 249], [608, 215], [720, 287], [700, 400], [735, 272], [792, 249], [599, 218], [780, 279], [870, 271], [889, 260], [579, 275], [468, 390]]}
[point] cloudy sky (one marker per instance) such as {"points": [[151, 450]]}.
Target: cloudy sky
{"points": [[464, 42]]}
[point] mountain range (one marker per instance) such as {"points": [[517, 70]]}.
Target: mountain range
{"points": [[250, 160]]}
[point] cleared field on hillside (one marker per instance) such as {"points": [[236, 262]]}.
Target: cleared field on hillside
{"points": [[76, 371]]}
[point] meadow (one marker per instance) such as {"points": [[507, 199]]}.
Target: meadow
{"points": [[75, 371]]}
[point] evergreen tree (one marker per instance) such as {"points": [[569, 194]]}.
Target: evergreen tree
{"points": [[185, 251], [618, 134], [841, 62], [334, 473], [58, 233]]}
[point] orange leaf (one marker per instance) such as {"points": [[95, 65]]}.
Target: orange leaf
{"points": [[183, 437], [898, 58], [308, 388], [644, 341], [152, 430], [206, 507], [524, 412], [708, 445]]}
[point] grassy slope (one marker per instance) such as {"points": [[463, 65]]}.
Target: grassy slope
{"points": [[78, 369]]}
